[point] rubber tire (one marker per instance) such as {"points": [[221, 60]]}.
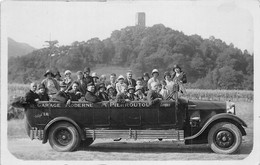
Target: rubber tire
{"points": [[231, 128], [86, 143], [75, 141]]}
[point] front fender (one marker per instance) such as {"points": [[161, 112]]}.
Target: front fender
{"points": [[57, 119], [222, 117]]}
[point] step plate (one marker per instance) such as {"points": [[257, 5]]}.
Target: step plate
{"points": [[135, 134]]}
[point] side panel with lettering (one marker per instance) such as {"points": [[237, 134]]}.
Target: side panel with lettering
{"points": [[166, 113]]}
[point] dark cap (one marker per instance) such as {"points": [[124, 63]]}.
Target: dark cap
{"points": [[146, 74], [57, 74], [48, 72], [87, 69], [176, 66], [130, 87], [41, 86], [167, 73]]}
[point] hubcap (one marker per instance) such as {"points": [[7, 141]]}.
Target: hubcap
{"points": [[63, 137], [224, 139]]}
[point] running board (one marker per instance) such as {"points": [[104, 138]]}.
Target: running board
{"points": [[177, 135]]}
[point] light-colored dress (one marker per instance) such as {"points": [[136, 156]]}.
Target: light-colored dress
{"points": [[120, 87], [152, 80], [165, 93]]}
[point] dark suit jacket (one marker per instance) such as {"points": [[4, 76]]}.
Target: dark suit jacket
{"points": [[152, 97], [74, 96], [31, 96], [132, 82], [91, 97], [82, 86]]}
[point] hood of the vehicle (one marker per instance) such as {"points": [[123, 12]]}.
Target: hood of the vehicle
{"points": [[206, 105]]}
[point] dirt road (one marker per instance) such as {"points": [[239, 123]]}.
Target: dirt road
{"points": [[103, 149]]}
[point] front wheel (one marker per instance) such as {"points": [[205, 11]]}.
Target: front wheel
{"points": [[64, 137], [224, 138]]}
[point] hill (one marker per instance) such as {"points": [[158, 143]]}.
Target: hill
{"points": [[208, 63], [18, 49]]}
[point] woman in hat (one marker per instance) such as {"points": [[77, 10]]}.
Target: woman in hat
{"points": [[50, 83], [120, 85], [155, 74], [131, 93], [102, 95], [67, 79], [179, 77], [111, 91]]}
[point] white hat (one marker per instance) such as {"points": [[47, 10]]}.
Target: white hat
{"points": [[155, 71], [94, 74], [120, 77], [67, 71]]}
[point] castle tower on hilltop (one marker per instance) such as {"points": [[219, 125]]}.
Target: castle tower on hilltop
{"points": [[140, 19]]}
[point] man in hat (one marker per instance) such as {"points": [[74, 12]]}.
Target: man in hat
{"points": [[129, 79], [50, 83], [62, 96], [90, 95], [43, 96], [87, 77], [155, 74], [153, 96], [32, 97]]}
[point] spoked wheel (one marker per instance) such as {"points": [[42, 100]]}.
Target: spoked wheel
{"points": [[224, 138], [64, 137]]}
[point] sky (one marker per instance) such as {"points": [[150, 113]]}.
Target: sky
{"points": [[36, 22]]}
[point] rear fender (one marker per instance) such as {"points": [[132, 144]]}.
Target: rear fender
{"points": [[59, 119], [221, 118]]}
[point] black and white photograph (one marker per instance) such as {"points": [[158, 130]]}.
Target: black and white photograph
{"points": [[111, 82]]}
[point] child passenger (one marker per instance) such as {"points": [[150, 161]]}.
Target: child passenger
{"points": [[164, 91], [120, 86]]}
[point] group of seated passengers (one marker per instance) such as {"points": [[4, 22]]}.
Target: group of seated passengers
{"points": [[88, 88]]}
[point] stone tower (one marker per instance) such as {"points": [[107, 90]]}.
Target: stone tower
{"points": [[140, 19]]}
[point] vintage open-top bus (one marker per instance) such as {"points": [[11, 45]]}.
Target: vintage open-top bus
{"points": [[190, 121]]}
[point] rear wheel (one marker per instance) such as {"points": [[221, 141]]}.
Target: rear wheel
{"points": [[224, 138], [64, 137]]}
